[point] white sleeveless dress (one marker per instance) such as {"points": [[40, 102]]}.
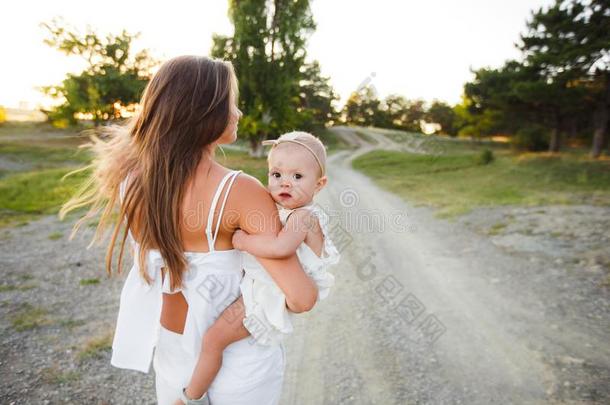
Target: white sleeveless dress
{"points": [[267, 318], [250, 373]]}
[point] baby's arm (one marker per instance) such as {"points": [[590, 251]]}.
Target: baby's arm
{"points": [[283, 244]]}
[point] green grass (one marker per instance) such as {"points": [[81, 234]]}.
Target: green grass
{"points": [[37, 192], [16, 219], [43, 134], [96, 347], [40, 156], [71, 323], [497, 228], [89, 281], [13, 287], [239, 160], [55, 376], [55, 236], [32, 187], [28, 317], [455, 183]]}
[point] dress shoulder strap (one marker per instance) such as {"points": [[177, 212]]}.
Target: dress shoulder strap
{"points": [[208, 228]]}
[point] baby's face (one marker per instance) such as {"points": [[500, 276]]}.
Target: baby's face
{"points": [[294, 175]]}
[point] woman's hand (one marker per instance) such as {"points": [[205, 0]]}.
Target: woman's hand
{"points": [[178, 402], [239, 239]]}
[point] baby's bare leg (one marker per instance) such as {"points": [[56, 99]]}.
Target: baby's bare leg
{"points": [[227, 329]]}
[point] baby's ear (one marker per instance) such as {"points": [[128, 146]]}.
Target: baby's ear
{"points": [[322, 181]]}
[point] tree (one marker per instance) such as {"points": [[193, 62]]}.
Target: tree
{"points": [[395, 111], [413, 115], [403, 113], [316, 98], [268, 51], [472, 120], [569, 42], [442, 113], [364, 108], [561, 78], [517, 95], [395, 106], [112, 80]]}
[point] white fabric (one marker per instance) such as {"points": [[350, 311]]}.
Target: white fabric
{"points": [[267, 318], [249, 371], [173, 369]]}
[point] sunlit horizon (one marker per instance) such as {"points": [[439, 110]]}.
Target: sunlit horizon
{"points": [[418, 49]]}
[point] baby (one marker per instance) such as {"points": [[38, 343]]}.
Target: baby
{"points": [[297, 172]]}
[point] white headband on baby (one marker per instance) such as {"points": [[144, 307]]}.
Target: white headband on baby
{"points": [[292, 138]]}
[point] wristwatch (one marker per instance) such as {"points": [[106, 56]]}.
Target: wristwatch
{"points": [[204, 400]]}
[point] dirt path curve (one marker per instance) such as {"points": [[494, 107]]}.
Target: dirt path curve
{"points": [[427, 312], [381, 141]]}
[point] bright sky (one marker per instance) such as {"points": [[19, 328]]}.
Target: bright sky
{"points": [[419, 49]]}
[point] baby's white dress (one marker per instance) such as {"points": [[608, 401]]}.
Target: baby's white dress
{"points": [[267, 318]]}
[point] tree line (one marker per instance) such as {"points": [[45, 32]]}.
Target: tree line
{"points": [[560, 89], [557, 92]]}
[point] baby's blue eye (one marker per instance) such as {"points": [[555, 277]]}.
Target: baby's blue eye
{"points": [[297, 176], [275, 174]]}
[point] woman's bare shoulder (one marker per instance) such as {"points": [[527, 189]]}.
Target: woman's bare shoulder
{"points": [[246, 180], [248, 187], [258, 212]]}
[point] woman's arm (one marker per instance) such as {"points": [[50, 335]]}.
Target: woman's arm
{"points": [[277, 246], [258, 215]]}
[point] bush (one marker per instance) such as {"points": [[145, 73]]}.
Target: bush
{"points": [[531, 138], [485, 157]]}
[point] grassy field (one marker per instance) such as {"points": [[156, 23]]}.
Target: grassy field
{"points": [[33, 159], [235, 159], [455, 181]]}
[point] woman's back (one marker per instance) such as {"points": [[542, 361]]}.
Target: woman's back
{"points": [[142, 301], [211, 283], [198, 194], [209, 219]]}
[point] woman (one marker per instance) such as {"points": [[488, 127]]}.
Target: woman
{"points": [[172, 194]]}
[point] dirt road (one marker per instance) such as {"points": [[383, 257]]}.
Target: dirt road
{"points": [[424, 311], [428, 312]]}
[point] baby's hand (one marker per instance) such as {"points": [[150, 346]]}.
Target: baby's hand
{"points": [[239, 239]]}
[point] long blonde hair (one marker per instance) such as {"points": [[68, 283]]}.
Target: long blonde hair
{"points": [[184, 109]]}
